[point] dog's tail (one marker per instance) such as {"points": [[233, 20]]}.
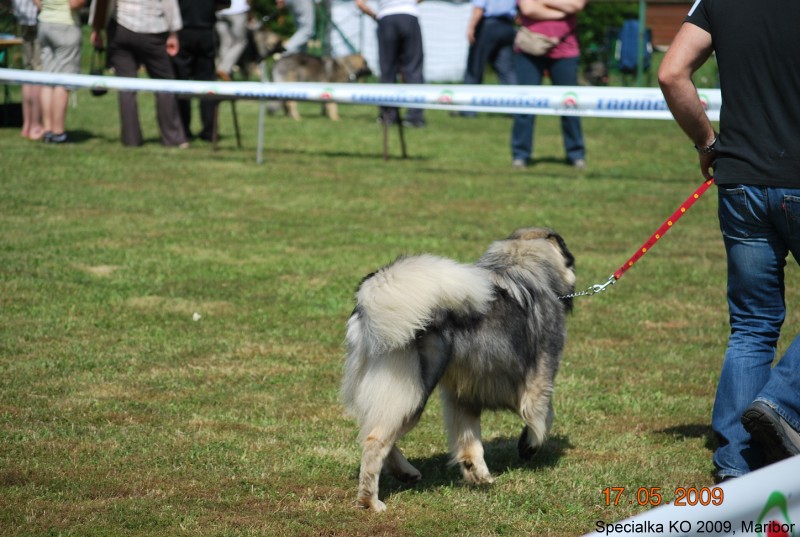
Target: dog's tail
{"points": [[383, 379], [402, 298]]}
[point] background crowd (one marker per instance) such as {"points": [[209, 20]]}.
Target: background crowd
{"points": [[204, 40]]}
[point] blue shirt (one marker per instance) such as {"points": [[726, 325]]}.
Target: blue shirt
{"points": [[497, 8]]}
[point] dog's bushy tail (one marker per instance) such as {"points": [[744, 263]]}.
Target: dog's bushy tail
{"points": [[402, 298], [382, 373]]}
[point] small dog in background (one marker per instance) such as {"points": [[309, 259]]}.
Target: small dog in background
{"points": [[490, 335], [301, 67]]}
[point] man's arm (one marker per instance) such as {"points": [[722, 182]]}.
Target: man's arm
{"points": [[690, 49], [550, 10], [98, 18], [362, 5], [477, 15]]}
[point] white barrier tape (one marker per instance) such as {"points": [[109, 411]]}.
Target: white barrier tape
{"points": [[762, 503], [587, 101]]}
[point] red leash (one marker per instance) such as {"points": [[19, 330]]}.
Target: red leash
{"points": [[655, 237]]}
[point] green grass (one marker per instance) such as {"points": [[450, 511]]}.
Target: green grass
{"points": [[120, 415]]}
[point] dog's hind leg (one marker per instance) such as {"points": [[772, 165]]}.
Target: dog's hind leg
{"points": [[291, 110], [390, 398], [464, 434], [332, 111], [536, 409], [377, 446], [396, 463]]}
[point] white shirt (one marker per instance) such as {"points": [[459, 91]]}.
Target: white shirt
{"points": [[397, 7]]}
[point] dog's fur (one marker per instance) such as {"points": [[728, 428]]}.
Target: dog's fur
{"points": [[490, 335], [301, 67]]}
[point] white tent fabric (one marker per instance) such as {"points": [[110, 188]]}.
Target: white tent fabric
{"points": [[444, 39]]}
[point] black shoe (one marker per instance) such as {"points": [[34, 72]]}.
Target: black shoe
{"points": [[50, 138], [769, 431]]}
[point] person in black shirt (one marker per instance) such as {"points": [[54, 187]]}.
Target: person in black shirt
{"points": [[756, 163], [195, 58]]}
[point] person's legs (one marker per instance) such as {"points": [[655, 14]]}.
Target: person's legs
{"points": [[58, 112], [204, 70], [122, 57], [500, 35], [564, 72], [388, 58], [776, 429], [65, 40], [31, 93], [32, 112], [530, 70], [46, 104], [756, 260], [153, 53], [411, 61], [232, 30]]}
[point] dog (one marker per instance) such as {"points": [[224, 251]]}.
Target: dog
{"points": [[302, 67], [489, 334]]}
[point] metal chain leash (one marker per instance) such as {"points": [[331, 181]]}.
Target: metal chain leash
{"points": [[593, 290], [597, 288]]}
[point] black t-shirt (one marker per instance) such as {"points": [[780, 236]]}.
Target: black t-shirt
{"points": [[201, 13], [757, 44]]}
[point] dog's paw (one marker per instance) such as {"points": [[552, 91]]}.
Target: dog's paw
{"points": [[524, 447], [407, 477], [476, 474], [373, 504]]}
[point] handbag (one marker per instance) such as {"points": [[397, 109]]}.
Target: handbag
{"points": [[534, 43]]}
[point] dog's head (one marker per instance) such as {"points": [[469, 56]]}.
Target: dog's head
{"points": [[356, 66], [546, 245], [267, 42]]}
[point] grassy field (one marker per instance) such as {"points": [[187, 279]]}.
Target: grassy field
{"points": [[120, 414]]}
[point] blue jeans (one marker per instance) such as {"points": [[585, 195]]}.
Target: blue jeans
{"points": [[563, 72], [494, 42], [760, 226]]}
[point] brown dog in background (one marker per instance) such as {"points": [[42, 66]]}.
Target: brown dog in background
{"points": [[301, 67]]}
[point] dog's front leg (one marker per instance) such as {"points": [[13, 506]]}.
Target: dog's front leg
{"points": [[464, 433]]}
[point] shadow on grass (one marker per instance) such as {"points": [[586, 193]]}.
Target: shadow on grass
{"points": [[501, 457], [693, 430], [394, 153]]}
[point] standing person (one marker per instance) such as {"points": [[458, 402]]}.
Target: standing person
{"points": [[26, 13], [399, 49], [196, 57], [490, 33], [232, 31], [142, 32], [304, 20], [756, 161], [558, 19], [59, 36]]}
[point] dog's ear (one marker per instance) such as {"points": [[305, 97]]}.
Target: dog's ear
{"points": [[539, 233], [558, 241]]}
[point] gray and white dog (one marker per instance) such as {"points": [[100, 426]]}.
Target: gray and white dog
{"points": [[490, 335]]}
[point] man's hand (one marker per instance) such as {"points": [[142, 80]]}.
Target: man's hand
{"points": [[173, 45]]}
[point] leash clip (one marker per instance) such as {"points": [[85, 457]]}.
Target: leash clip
{"points": [[600, 287]]}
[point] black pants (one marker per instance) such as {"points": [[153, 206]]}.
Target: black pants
{"points": [[195, 61], [400, 51]]}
